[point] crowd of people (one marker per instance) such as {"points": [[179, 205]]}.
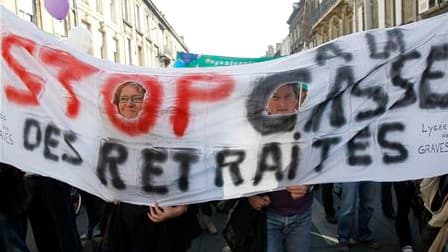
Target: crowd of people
{"points": [[278, 221]]}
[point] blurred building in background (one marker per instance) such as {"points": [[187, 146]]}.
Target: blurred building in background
{"points": [[314, 22], [130, 32]]}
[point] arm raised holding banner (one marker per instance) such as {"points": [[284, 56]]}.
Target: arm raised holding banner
{"points": [[294, 202], [133, 227]]}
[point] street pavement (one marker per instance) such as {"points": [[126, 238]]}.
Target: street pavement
{"points": [[324, 235]]}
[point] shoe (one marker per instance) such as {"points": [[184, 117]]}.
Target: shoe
{"points": [[211, 227], [96, 233], [407, 249], [352, 242], [331, 219], [83, 236], [206, 223], [343, 247], [226, 249], [371, 244]]}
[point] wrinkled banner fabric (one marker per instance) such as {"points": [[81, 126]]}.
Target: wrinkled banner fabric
{"points": [[376, 109]]}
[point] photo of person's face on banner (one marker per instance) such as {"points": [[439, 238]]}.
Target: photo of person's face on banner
{"points": [[287, 99], [129, 98]]}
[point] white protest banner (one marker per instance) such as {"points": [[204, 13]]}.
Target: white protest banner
{"points": [[376, 109]]}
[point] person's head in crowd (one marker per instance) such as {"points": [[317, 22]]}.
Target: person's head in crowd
{"points": [[129, 99], [285, 100]]}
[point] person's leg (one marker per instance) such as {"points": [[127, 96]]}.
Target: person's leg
{"points": [[403, 192], [327, 201], [13, 233], [42, 223], [386, 200], [141, 233], [365, 210], [428, 235], [205, 215], [60, 206], [274, 228], [114, 233], [349, 195], [298, 233], [95, 208]]}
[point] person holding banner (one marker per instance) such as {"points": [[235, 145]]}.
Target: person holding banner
{"points": [[287, 216], [136, 228], [288, 212]]}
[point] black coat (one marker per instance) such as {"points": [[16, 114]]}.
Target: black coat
{"points": [[245, 231], [13, 193], [128, 228]]}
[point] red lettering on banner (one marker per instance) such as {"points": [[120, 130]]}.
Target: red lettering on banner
{"points": [[70, 71], [221, 87], [146, 120], [33, 82]]}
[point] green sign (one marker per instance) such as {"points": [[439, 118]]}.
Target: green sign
{"points": [[201, 60]]}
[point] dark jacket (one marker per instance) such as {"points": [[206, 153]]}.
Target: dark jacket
{"points": [[245, 230], [13, 193], [128, 228]]}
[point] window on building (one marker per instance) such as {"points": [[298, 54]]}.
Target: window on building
{"points": [[334, 28], [147, 56], [72, 20], [103, 45], [151, 55], [60, 27], [88, 27], [374, 6], [360, 21], [113, 11], [124, 5], [389, 13], [432, 3], [157, 56], [27, 11], [116, 50], [297, 33], [129, 51], [141, 57], [168, 48], [147, 23], [99, 6], [154, 29], [137, 17], [409, 10]]}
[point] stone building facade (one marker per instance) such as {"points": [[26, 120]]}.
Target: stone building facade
{"points": [[130, 32]]}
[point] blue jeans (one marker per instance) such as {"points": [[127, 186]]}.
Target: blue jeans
{"points": [[350, 193], [288, 233]]}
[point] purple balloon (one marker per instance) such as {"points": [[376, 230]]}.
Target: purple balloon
{"points": [[57, 8]]}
